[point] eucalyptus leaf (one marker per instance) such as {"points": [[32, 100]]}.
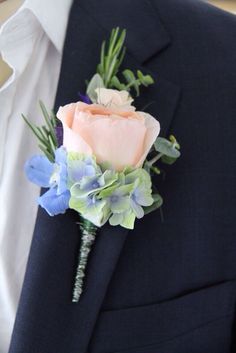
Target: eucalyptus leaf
{"points": [[147, 166], [147, 80], [115, 82], [132, 81], [96, 82], [168, 160], [129, 75], [158, 201], [166, 147]]}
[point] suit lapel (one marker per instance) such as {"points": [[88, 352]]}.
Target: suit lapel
{"points": [[47, 321]]}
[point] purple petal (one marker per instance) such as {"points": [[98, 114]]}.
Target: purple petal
{"points": [[85, 98], [59, 135]]}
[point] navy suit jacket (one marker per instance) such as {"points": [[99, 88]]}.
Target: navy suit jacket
{"points": [[168, 286]]}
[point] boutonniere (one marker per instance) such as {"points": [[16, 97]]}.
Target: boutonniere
{"points": [[99, 154]]}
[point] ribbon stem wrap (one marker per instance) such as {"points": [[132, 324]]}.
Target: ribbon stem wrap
{"points": [[88, 234]]}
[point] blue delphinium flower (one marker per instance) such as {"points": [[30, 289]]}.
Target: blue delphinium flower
{"points": [[46, 174]]}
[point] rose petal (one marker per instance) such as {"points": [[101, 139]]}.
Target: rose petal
{"points": [[113, 139], [72, 141], [66, 114], [153, 130]]}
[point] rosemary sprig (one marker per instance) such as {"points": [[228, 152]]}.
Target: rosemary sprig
{"points": [[112, 55], [111, 58], [45, 134]]}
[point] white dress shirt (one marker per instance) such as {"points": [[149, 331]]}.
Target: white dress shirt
{"points": [[31, 43]]}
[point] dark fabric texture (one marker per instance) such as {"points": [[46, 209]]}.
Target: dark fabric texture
{"points": [[169, 286]]}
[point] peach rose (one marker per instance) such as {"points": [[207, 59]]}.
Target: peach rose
{"points": [[111, 130]]}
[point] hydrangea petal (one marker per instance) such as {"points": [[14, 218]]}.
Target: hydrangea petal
{"points": [[96, 211], [119, 204], [128, 220], [116, 219], [137, 209]]}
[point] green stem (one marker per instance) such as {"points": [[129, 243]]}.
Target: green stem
{"points": [[132, 83], [155, 159], [88, 234]]}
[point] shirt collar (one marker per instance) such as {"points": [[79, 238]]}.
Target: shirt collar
{"points": [[20, 32], [53, 17]]}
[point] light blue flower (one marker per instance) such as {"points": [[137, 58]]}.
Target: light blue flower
{"points": [[42, 172], [84, 197], [59, 175], [125, 219], [80, 166], [53, 202], [93, 184], [39, 170], [119, 199], [91, 208], [141, 194]]}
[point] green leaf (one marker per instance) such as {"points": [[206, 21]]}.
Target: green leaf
{"points": [[168, 160], [158, 201], [33, 129], [112, 55], [47, 153], [155, 170], [129, 76], [115, 82], [49, 123], [145, 80], [96, 82], [45, 134], [166, 147]]}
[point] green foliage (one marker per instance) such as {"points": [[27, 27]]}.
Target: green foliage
{"points": [[158, 201], [112, 55], [135, 82], [111, 58], [45, 134], [95, 82], [166, 147]]}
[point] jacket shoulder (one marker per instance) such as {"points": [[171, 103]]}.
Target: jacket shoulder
{"points": [[196, 15], [199, 27]]}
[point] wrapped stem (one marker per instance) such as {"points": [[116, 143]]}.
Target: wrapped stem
{"points": [[88, 234]]}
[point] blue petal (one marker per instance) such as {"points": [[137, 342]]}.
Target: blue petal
{"points": [[60, 155], [62, 183], [54, 204], [89, 170], [61, 160], [39, 170], [78, 170]]}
